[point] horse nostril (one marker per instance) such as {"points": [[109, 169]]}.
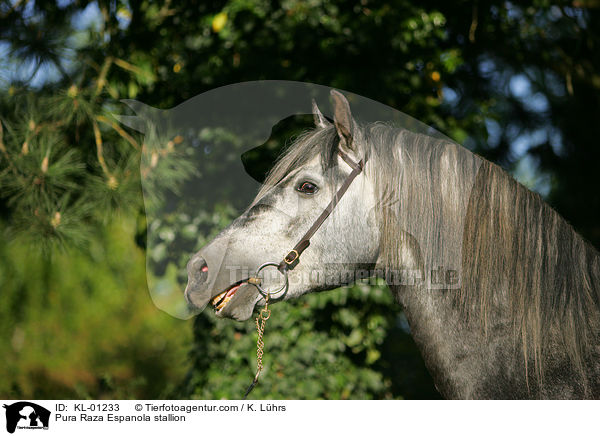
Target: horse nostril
{"points": [[197, 268]]}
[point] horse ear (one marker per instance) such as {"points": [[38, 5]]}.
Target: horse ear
{"points": [[320, 121], [342, 118]]}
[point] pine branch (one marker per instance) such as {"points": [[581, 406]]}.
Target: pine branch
{"points": [[132, 68], [100, 149], [102, 76], [2, 147], [11, 164], [119, 130]]}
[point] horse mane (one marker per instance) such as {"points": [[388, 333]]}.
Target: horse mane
{"points": [[515, 247], [514, 242]]}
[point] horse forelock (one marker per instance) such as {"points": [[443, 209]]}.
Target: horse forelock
{"points": [[321, 142]]}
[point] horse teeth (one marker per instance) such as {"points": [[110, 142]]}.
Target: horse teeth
{"points": [[223, 303], [217, 298], [219, 301]]}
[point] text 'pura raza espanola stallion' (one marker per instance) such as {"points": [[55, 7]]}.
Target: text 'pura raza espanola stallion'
{"points": [[518, 311]]}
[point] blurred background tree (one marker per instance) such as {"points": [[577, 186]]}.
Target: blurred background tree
{"points": [[517, 83]]}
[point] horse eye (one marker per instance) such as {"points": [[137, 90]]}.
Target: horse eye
{"points": [[307, 188]]}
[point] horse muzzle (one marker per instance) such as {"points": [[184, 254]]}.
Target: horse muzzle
{"points": [[197, 291]]}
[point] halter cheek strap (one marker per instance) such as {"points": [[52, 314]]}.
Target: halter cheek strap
{"points": [[292, 259]]}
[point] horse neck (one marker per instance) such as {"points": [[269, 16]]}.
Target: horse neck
{"points": [[434, 189], [465, 361]]}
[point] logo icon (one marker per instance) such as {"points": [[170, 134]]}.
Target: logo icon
{"points": [[26, 415]]}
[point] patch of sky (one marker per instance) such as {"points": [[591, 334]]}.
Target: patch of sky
{"points": [[124, 17], [522, 143], [90, 17], [47, 73], [528, 174], [487, 67], [556, 141], [4, 76], [19, 70], [23, 70], [28, 10], [536, 103], [513, 11], [64, 3], [577, 14], [519, 86], [494, 132], [450, 95]]}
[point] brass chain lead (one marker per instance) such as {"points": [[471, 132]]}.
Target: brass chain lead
{"points": [[261, 321]]}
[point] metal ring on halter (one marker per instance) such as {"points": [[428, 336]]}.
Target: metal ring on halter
{"points": [[272, 294]]}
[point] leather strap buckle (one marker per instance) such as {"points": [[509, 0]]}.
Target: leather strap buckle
{"points": [[291, 257]]}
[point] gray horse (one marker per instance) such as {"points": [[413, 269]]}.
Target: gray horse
{"points": [[502, 296]]}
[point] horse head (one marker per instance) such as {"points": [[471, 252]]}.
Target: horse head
{"points": [[296, 192]]}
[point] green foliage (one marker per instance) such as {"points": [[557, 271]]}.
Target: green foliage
{"points": [[54, 188], [326, 345], [83, 326], [69, 173]]}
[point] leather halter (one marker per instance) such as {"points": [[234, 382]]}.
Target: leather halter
{"points": [[292, 259]]}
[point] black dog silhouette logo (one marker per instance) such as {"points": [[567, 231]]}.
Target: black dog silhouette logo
{"points": [[26, 415]]}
